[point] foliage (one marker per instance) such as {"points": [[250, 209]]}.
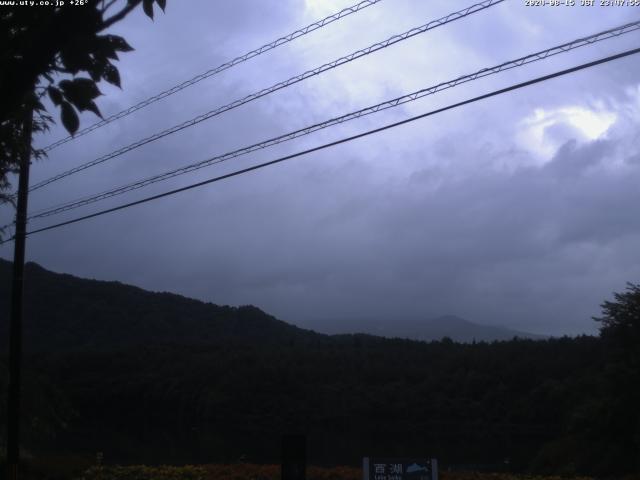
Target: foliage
{"points": [[159, 378], [621, 319], [142, 472], [238, 471], [619, 425], [268, 472], [42, 52], [46, 411]]}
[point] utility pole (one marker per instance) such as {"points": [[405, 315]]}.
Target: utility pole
{"points": [[15, 326]]}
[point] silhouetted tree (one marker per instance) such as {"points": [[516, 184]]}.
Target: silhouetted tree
{"points": [[621, 318], [620, 331], [42, 52], [195, 382]]}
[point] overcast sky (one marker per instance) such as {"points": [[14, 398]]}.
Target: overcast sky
{"points": [[520, 210]]}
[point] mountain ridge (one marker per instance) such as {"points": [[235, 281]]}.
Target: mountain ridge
{"points": [[71, 313], [429, 329], [63, 311], [159, 378]]}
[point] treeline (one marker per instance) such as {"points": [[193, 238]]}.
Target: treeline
{"points": [[548, 406]]}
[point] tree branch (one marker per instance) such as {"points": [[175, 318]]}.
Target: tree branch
{"points": [[107, 6], [61, 70], [119, 16]]}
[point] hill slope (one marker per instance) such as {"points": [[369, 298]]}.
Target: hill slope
{"points": [[67, 312], [71, 313], [456, 328], [159, 378]]}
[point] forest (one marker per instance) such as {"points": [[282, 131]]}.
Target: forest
{"points": [[157, 378]]}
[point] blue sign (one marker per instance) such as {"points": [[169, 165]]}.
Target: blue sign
{"points": [[399, 469]]}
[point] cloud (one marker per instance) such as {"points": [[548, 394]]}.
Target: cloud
{"points": [[545, 130], [517, 210]]}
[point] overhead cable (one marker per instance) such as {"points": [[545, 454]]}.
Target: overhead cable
{"points": [[338, 142], [534, 57], [278, 86], [214, 71]]}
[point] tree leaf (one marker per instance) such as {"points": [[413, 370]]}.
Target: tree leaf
{"points": [[104, 48], [55, 95], [87, 87], [91, 106], [147, 6], [69, 117], [119, 43], [38, 106], [95, 71], [75, 58], [162, 4], [80, 91], [112, 75], [65, 85]]}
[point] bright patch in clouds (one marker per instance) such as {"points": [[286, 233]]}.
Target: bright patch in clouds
{"points": [[322, 8], [545, 131]]}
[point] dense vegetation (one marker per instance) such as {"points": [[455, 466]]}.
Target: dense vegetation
{"points": [[158, 378], [264, 472]]}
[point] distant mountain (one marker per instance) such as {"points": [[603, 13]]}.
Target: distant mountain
{"points": [[157, 378], [63, 312], [456, 328]]}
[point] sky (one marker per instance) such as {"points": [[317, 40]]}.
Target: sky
{"points": [[517, 210]]}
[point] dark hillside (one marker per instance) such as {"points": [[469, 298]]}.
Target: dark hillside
{"points": [[426, 329], [159, 378], [63, 312]]}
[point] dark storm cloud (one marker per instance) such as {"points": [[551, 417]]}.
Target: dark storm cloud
{"points": [[515, 211]]}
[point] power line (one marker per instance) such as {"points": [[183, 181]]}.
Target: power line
{"points": [[534, 57], [278, 86], [214, 71], [341, 141]]}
